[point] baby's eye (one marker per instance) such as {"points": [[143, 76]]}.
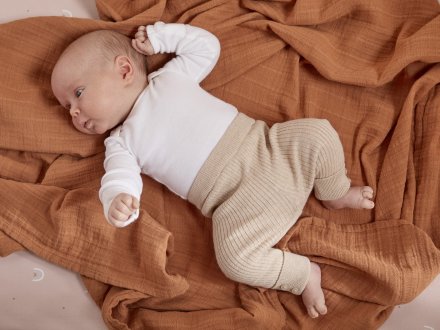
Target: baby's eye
{"points": [[78, 92]]}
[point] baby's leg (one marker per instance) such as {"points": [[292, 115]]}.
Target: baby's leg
{"points": [[245, 253], [313, 296], [332, 186]]}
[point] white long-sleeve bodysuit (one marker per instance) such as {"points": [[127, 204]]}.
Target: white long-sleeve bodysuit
{"points": [[251, 179], [174, 124]]}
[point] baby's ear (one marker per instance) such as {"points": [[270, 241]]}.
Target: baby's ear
{"points": [[124, 67]]}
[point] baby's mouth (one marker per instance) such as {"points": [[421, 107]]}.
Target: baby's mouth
{"points": [[88, 124]]}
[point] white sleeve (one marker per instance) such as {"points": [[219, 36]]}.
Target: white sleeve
{"points": [[122, 175], [197, 50]]}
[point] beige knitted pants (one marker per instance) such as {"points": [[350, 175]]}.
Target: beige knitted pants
{"points": [[255, 184]]}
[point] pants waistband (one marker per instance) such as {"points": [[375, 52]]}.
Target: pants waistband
{"points": [[219, 157]]}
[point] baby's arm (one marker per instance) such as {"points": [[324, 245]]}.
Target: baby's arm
{"points": [[121, 186], [197, 50]]}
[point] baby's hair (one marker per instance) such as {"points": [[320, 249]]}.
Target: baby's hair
{"points": [[110, 44], [115, 43]]}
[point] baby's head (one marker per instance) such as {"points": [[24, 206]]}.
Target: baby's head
{"points": [[97, 79]]}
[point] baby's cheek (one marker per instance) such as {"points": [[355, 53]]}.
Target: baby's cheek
{"points": [[76, 125]]}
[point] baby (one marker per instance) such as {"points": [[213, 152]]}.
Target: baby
{"points": [[252, 180]]}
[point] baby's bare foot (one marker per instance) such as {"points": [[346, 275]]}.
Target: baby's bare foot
{"points": [[355, 198], [313, 296]]}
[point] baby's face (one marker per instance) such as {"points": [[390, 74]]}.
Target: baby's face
{"points": [[91, 93]]}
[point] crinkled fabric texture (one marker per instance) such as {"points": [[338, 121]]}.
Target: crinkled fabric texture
{"points": [[370, 67]]}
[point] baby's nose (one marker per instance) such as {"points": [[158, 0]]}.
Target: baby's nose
{"points": [[74, 111]]}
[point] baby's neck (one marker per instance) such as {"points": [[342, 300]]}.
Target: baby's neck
{"points": [[135, 92]]}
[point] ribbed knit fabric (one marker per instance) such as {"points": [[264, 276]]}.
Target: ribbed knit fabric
{"points": [[254, 186]]}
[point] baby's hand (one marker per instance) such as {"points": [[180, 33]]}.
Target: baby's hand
{"points": [[141, 42], [122, 206]]}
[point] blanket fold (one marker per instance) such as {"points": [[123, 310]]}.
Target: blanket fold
{"points": [[371, 68]]}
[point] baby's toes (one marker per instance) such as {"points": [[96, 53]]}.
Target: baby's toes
{"points": [[366, 204], [318, 308], [312, 312], [321, 308], [367, 192]]}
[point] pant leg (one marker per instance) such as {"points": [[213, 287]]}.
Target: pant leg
{"points": [[263, 193], [315, 154], [331, 181], [245, 229]]}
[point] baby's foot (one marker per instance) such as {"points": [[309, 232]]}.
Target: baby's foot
{"points": [[313, 296], [355, 198]]}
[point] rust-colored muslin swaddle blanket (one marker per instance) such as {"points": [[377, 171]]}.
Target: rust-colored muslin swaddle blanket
{"points": [[370, 67]]}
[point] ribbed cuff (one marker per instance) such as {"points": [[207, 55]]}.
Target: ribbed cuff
{"points": [[332, 187], [294, 273], [151, 34]]}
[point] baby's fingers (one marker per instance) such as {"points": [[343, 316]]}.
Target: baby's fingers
{"points": [[141, 36], [135, 46], [135, 203], [124, 208], [127, 204], [116, 215], [142, 47]]}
